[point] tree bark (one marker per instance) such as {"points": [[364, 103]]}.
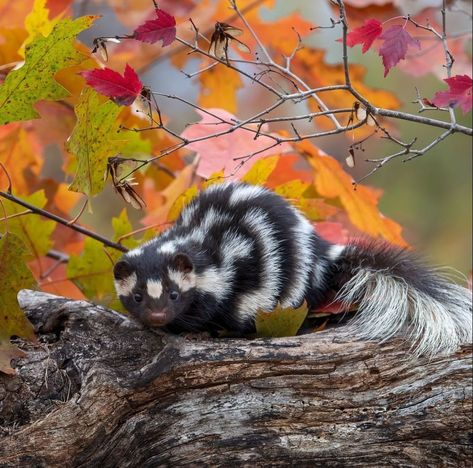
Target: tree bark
{"points": [[99, 390]]}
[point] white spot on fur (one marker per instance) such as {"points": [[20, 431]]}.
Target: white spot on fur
{"points": [[387, 306], [125, 286], [335, 251], [135, 252], [169, 247], [155, 288], [245, 192], [184, 281], [264, 297]]}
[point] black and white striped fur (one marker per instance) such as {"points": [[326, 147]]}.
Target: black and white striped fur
{"points": [[237, 249]]}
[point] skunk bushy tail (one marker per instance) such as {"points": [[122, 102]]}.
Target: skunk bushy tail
{"points": [[395, 293]]}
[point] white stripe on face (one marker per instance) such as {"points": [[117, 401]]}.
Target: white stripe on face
{"points": [[125, 286], [155, 288], [184, 281]]}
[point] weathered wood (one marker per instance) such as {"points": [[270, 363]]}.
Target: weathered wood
{"points": [[98, 390]]}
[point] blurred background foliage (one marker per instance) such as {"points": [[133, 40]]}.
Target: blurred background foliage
{"points": [[430, 196]]}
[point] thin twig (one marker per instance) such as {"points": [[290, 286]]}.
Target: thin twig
{"points": [[65, 222]]}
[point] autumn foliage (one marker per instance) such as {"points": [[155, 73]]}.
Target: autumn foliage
{"points": [[87, 100]]}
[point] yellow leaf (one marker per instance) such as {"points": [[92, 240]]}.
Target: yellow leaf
{"points": [[37, 23], [260, 170], [219, 87], [292, 189], [215, 178], [183, 200], [281, 321]]}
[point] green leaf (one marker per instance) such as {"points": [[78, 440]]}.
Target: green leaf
{"points": [[121, 226], [280, 322], [93, 141], [34, 81], [91, 271], [33, 230], [14, 275], [134, 144]]}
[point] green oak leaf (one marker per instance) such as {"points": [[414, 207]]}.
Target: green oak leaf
{"points": [[93, 141], [281, 321], [34, 81], [34, 231], [14, 275]]}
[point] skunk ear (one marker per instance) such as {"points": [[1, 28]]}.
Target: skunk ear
{"points": [[182, 262], [122, 270]]}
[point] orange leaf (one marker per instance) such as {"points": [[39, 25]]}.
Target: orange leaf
{"points": [[219, 86], [20, 153], [277, 35], [10, 42], [310, 65], [13, 14], [158, 205], [332, 181]]}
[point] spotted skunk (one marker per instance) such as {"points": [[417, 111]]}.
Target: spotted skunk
{"points": [[238, 248]]}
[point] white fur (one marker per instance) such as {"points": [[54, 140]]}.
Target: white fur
{"points": [[303, 233], [155, 288], [235, 246], [188, 213], [135, 252], [245, 192], [211, 218], [215, 281], [263, 298], [168, 247], [387, 306], [184, 281], [125, 286], [335, 251]]}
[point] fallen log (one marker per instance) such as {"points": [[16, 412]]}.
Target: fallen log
{"points": [[99, 390]]}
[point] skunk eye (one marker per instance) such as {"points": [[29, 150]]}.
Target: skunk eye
{"points": [[137, 297], [173, 295]]}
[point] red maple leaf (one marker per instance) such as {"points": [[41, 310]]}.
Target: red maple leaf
{"points": [[365, 34], [396, 42], [162, 28], [458, 94], [122, 90]]}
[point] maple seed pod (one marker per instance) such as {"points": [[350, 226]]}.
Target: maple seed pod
{"points": [[350, 160], [370, 121], [361, 114]]}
